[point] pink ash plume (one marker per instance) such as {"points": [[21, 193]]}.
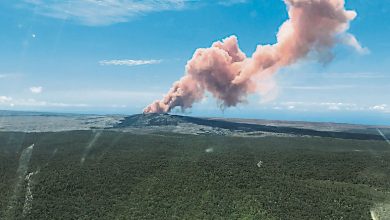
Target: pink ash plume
{"points": [[223, 70]]}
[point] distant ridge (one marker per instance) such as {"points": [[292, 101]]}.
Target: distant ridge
{"points": [[149, 120], [33, 113], [151, 123]]}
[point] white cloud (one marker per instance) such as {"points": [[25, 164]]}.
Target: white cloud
{"points": [[361, 75], [9, 101], [5, 99], [328, 106], [85, 99], [231, 2], [381, 108], [333, 106], [341, 75], [320, 87], [318, 103], [129, 62], [105, 12], [107, 98], [378, 107], [75, 99], [102, 12], [9, 75], [36, 89]]}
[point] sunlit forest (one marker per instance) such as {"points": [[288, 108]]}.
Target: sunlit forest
{"points": [[118, 175]]}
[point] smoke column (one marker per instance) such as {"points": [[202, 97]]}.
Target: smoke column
{"points": [[223, 70]]}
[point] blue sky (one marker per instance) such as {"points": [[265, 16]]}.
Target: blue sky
{"points": [[116, 56]]}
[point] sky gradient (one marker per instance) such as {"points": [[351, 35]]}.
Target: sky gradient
{"points": [[118, 56]]}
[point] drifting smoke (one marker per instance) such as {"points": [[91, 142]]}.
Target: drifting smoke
{"points": [[314, 26]]}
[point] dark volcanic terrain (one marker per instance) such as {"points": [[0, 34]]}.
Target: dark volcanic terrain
{"points": [[151, 123], [193, 125]]}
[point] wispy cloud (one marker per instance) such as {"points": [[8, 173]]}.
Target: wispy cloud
{"points": [[5, 99], [129, 62], [380, 108], [36, 89], [102, 12], [320, 87], [11, 102], [343, 75], [9, 75], [329, 106], [231, 2], [320, 105], [362, 75], [76, 98], [105, 12]]}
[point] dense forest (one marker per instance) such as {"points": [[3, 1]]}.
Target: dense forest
{"points": [[119, 175]]}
